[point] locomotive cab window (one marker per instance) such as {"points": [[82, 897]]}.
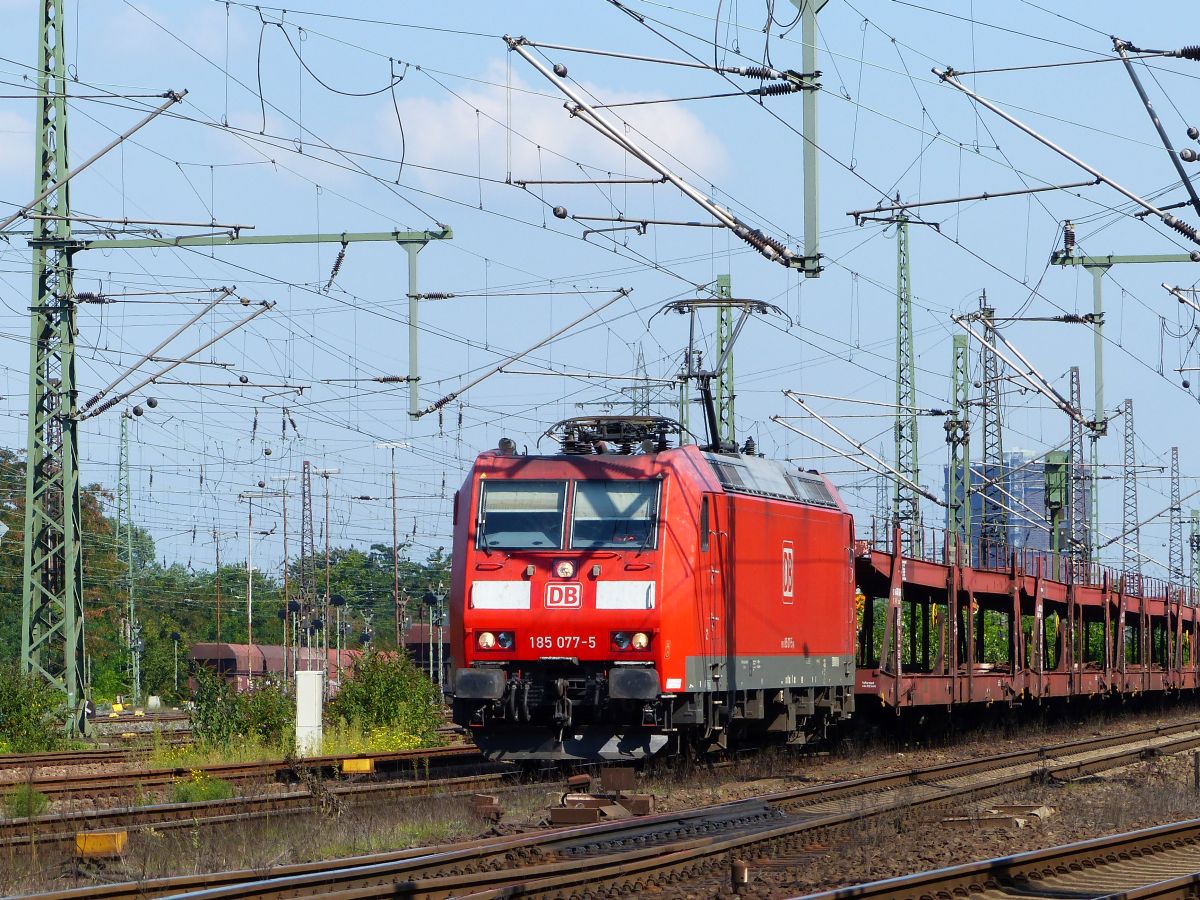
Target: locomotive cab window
{"points": [[615, 515], [521, 515]]}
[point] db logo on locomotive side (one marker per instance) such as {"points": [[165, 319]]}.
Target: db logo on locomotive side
{"points": [[789, 571], [564, 596]]}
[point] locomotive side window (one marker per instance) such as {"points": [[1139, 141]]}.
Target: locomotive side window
{"points": [[704, 525], [615, 515], [521, 515]]}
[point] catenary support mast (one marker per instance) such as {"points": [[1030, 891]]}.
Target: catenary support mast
{"points": [[726, 431], [907, 504], [1131, 557], [1081, 490], [52, 646], [125, 558], [993, 531], [1175, 550], [958, 437]]}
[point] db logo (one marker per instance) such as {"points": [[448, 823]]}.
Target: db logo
{"points": [[564, 596], [789, 571]]}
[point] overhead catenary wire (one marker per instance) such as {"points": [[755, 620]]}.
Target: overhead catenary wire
{"points": [[438, 404]]}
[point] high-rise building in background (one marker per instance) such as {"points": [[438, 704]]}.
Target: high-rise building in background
{"points": [[1021, 489]]}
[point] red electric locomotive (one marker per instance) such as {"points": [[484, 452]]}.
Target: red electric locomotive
{"points": [[622, 598]]}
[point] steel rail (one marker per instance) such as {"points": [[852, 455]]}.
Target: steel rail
{"points": [[118, 783], [429, 870], [19, 762], [49, 831]]}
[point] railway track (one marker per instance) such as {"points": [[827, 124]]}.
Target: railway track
{"points": [[98, 756], [1160, 862], [694, 846], [58, 832], [116, 784]]}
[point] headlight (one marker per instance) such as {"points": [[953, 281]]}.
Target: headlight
{"points": [[620, 640], [498, 640], [564, 568], [640, 641]]}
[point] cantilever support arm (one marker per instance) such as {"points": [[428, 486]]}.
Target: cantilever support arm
{"points": [[1024, 369], [769, 247], [172, 99], [264, 306], [1122, 47], [860, 447], [948, 76]]}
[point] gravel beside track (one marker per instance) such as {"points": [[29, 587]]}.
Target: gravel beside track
{"points": [[683, 852], [1156, 862]]}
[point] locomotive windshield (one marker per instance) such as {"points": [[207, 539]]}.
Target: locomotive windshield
{"points": [[522, 515], [614, 515]]}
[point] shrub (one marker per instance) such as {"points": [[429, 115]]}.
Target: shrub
{"points": [[264, 716], [270, 716], [24, 801], [220, 714], [200, 787], [387, 692], [29, 712]]}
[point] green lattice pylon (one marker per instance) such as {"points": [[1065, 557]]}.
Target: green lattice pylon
{"points": [[125, 558], [52, 645], [724, 398], [906, 506], [958, 437]]}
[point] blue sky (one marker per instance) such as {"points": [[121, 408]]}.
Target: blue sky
{"points": [[260, 141]]}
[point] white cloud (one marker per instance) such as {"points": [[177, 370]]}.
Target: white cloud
{"points": [[471, 136]]}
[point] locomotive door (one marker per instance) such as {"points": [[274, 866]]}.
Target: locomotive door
{"points": [[711, 622]]}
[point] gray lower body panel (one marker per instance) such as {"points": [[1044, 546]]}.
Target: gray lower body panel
{"points": [[764, 672]]}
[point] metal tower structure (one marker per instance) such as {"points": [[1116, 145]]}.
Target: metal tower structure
{"points": [[724, 394], [958, 438], [1077, 521], [993, 531], [308, 544], [906, 507], [1194, 546], [52, 646], [641, 389], [1175, 550], [125, 558], [1131, 557]]}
